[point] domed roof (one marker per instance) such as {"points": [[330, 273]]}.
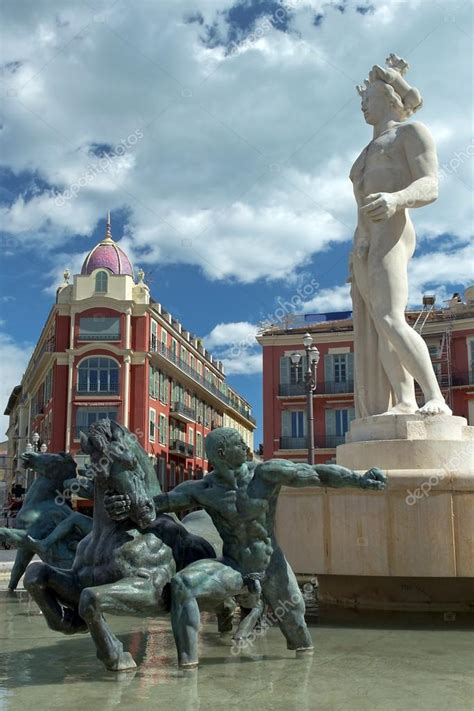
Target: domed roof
{"points": [[107, 255]]}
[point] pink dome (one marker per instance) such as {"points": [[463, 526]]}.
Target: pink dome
{"points": [[107, 255]]}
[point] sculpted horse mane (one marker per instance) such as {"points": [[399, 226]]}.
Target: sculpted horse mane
{"points": [[122, 566]]}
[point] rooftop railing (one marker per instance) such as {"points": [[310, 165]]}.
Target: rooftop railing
{"points": [[328, 386], [199, 378], [320, 441]]}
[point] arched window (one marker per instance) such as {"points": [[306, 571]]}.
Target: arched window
{"points": [[101, 280], [98, 375]]}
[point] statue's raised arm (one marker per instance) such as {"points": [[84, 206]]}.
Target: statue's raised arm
{"points": [[300, 474]]}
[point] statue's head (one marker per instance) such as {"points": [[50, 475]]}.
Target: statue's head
{"points": [[224, 445], [114, 464], [57, 467], [387, 94]]}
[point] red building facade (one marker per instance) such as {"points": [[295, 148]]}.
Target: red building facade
{"points": [[108, 349], [448, 332]]}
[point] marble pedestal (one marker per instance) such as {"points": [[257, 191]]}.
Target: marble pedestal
{"points": [[411, 547]]}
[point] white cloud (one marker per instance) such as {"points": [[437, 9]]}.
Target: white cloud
{"points": [[244, 364], [228, 334], [242, 168], [432, 273], [14, 358], [335, 298], [437, 271], [235, 344]]}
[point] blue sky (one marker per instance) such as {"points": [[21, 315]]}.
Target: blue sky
{"points": [[220, 135]]}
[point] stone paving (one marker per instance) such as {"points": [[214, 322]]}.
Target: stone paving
{"points": [[358, 665]]}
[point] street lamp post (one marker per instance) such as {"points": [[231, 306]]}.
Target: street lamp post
{"points": [[35, 447], [310, 381], [36, 439]]}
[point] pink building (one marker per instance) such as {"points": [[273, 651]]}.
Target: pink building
{"points": [[449, 333], [108, 349]]}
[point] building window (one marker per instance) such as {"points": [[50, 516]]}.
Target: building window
{"points": [[154, 383], [296, 371], [154, 337], [163, 388], [471, 360], [340, 368], [298, 424], [98, 375], [337, 424], [339, 372], [199, 449], [174, 349], [101, 282], [152, 424], [162, 473], [48, 386], [191, 436], [200, 412], [86, 416], [163, 430], [172, 475], [99, 328], [434, 351], [164, 340]]}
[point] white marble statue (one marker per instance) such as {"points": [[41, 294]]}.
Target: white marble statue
{"points": [[397, 170]]}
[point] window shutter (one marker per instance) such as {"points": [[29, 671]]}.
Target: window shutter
{"points": [[329, 368], [330, 416], [284, 370], [305, 424], [350, 367], [286, 423]]}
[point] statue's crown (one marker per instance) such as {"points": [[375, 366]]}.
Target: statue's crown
{"points": [[394, 63]]}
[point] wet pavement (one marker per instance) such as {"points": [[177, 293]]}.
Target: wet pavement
{"points": [[388, 664]]}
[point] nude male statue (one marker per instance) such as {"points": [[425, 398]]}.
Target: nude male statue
{"points": [[241, 499], [397, 170]]}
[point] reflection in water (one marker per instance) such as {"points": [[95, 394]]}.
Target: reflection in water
{"points": [[356, 666]]}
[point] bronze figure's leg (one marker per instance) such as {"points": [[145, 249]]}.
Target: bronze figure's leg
{"points": [[204, 580], [55, 592], [22, 560], [281, 591], [127, 596]]}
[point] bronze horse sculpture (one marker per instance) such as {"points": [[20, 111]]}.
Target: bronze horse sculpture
{"points": [[124, 566], [46, 509]]}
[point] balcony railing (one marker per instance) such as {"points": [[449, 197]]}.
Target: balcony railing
{"points": [[328, 386], [98, 337], [198, 377], [321, 442], [179, 446], [329, 441], [114, 390], [466, 378], [286, 389], [47, 347], [293, 443], [184, 410]]}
